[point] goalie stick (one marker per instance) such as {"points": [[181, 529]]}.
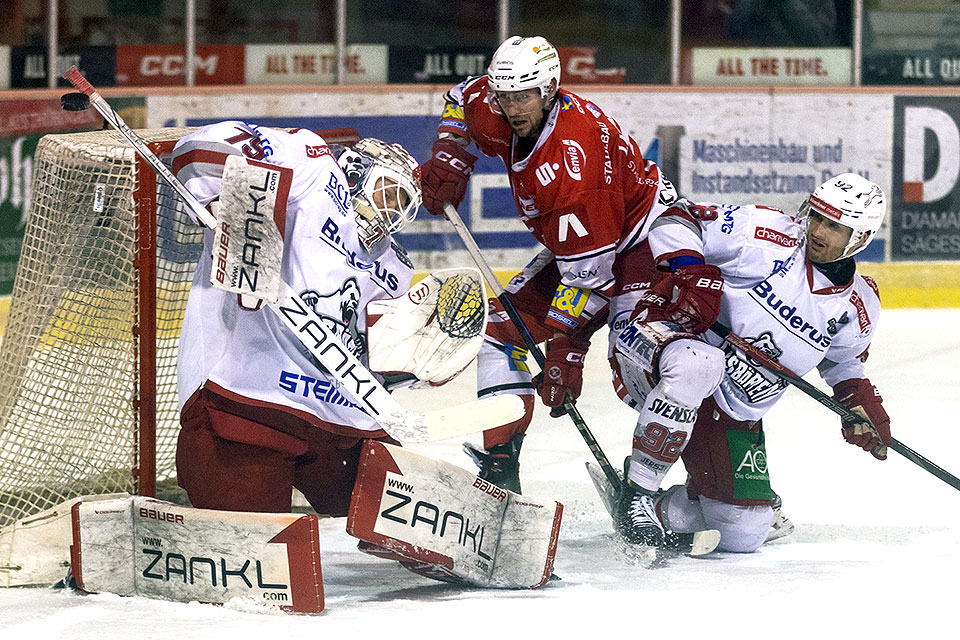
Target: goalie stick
{"points": [[400, 423], [790, 377]]}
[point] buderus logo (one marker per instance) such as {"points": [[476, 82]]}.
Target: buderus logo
{"points": [[763, 292]]}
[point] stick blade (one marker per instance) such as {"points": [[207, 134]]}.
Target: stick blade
{"points": [[74, 77]]}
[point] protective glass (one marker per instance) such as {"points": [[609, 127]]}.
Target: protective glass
{"points": [[516, 101]]}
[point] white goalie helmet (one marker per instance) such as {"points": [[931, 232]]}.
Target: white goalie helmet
{"points": [[525, 63], [385, 190], [852, 201]]}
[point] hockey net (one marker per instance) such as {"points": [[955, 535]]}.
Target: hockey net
{"points": [[88, 397]]}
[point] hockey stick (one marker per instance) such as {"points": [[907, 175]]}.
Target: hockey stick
{"points": [[366, 390], [568, 404], [791, 378]]}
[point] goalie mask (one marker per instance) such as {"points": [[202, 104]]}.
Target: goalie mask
{"points": [[851, 201], [385, 192]]}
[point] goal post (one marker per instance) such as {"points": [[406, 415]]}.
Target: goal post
{"points": [[88, 398]]}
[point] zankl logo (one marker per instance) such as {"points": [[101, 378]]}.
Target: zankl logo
{"points": [[568, 221], [318, 151], [776, 237], [547, 173], [173, 65], [434, 522], [574, 158]]}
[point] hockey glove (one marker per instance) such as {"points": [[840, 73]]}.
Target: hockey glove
{"points": [[862, 398], [562, 372], [700, 288], [444, 176]]}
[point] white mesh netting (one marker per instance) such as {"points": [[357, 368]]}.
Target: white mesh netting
{"points": [[69, 382]]}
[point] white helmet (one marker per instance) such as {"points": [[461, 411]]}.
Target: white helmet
{"points": [[385, 190], [854, 202], [525, 63]]}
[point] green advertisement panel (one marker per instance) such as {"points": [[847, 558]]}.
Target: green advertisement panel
{"points": [[16, 165]]}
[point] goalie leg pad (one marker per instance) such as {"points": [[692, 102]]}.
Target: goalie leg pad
{"points": [[432, 512], [140, 546]]}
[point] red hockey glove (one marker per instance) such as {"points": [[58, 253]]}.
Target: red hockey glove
{"points": [[700, 288], [861, 397], [444, 176], [562, 372]]}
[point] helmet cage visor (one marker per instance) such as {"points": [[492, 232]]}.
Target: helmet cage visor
{"points": [[385, 189]]}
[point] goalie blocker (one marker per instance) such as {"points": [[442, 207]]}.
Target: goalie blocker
{"points": [[145, 547], [444, 521]]}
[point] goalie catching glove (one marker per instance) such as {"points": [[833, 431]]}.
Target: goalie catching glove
{"points": [[699, 291], [862, 398], [444, 176], [431, 333]]}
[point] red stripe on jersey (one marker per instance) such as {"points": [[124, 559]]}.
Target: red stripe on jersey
{"points": [[198, 155], [873, 284]]}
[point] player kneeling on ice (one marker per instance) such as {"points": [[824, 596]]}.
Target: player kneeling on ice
{"points": [[789, 286], [262, 411]]}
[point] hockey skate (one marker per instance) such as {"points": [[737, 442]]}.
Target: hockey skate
{"points": [[781, 526], [697, 543], [635, 518], [500, 465]]}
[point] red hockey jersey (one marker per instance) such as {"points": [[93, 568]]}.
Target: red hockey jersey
{"points": [[585, 191]]}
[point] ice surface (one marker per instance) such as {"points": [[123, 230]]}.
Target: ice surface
{"points": [[876, 553]]}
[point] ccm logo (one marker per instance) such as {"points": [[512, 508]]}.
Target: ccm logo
{"points": [[317, 151], [173, 65], [456, 163], [782, 239]]}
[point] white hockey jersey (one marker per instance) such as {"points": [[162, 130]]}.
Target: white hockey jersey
{"points": [[249, 355], [774, 298]]}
